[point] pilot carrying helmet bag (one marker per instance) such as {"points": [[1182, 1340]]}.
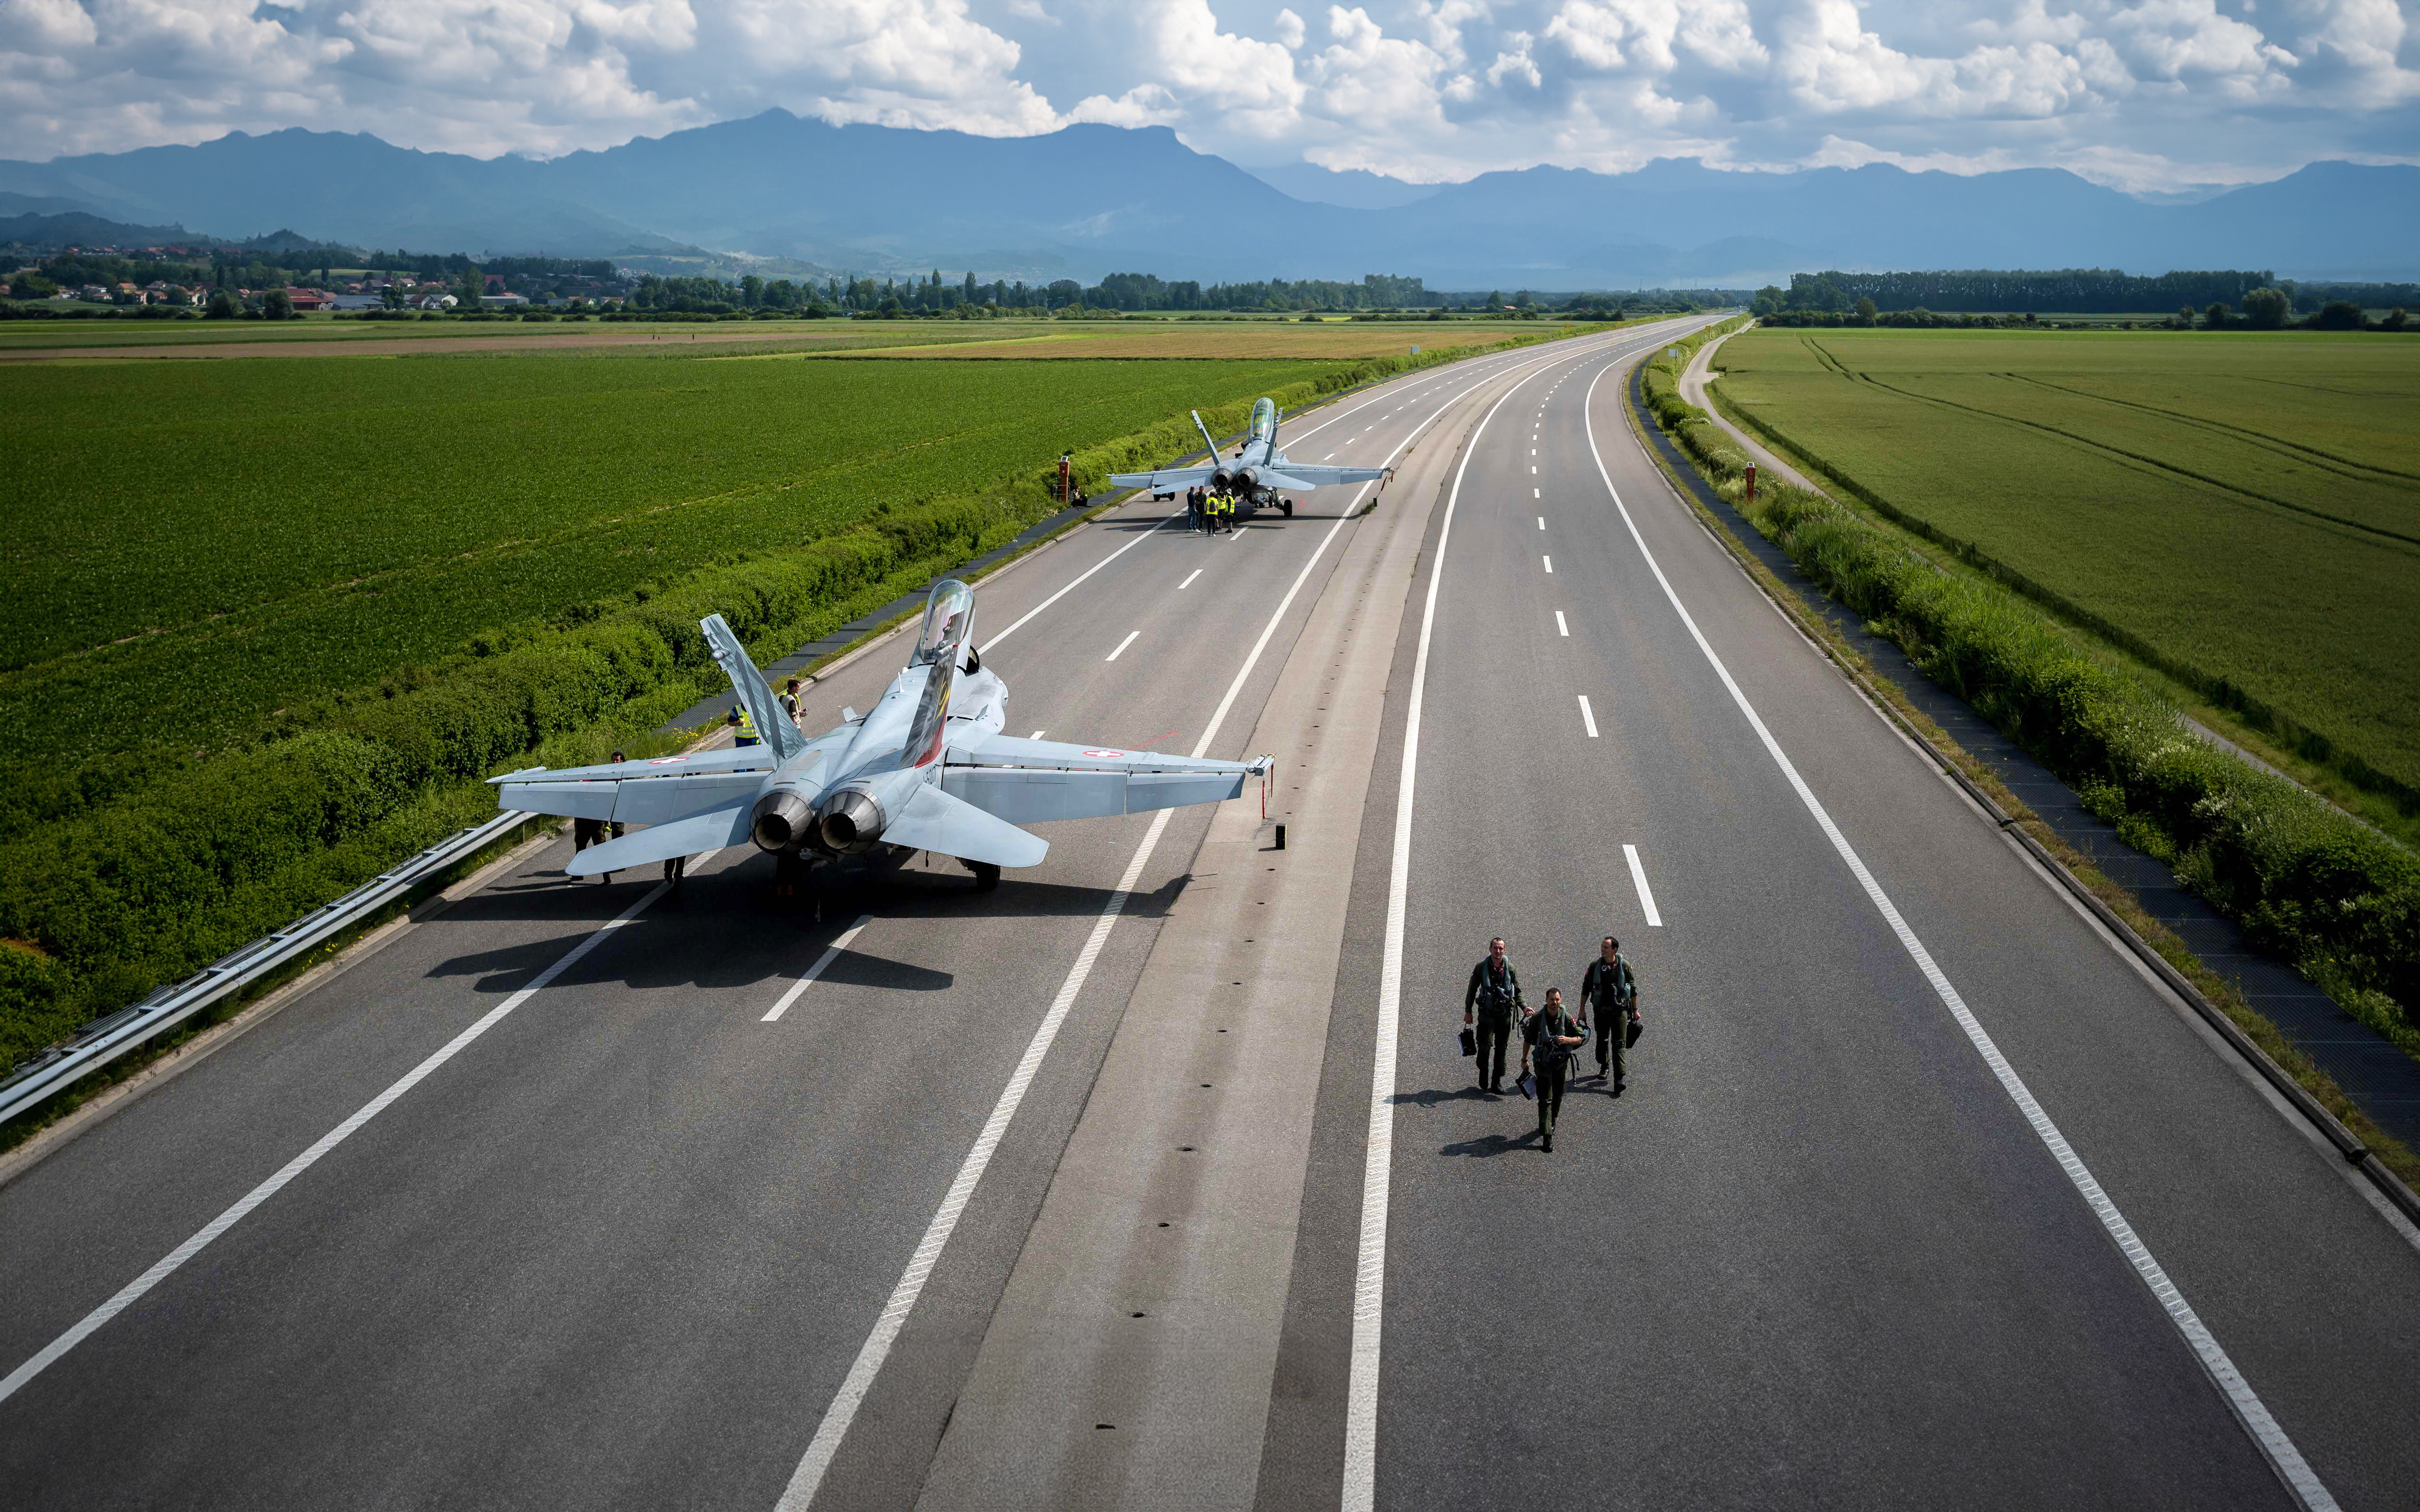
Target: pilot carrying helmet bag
{"points": [[1469, 1042]]}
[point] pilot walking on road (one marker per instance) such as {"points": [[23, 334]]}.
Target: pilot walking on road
{"points": [[1555, 1038], [1610, 1003], [1195, 508], [1492, 996]]}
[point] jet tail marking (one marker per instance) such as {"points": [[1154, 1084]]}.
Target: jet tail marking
{"points": [[1206, 437], [772, 725]]}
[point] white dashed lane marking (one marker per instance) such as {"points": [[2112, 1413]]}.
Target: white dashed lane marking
{"points": [[1646, 894], [1588, 716], [1122, 645]]}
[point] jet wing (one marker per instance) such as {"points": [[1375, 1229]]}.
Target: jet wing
{"points": [[1030, 781], [1308, 475], [743, 759], [1166, 478]]}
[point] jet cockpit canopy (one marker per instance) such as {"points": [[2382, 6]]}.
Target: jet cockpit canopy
{"points": [[949, 624], [1265, 419]]}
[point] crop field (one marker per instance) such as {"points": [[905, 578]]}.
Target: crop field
{"points": [[1232, 339], [192, 545], [2242, 510]]}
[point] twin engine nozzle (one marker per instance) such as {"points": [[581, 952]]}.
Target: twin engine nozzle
{"points": [[850, 821]]}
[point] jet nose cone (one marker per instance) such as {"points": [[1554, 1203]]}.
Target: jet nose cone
{"points": [[851, 822], [781, 820]]}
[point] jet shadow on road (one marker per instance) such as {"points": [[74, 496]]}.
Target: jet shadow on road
{"points": [[712, 932]]}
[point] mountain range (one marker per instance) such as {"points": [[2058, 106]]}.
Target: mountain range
{"points": [[1093, 199]]}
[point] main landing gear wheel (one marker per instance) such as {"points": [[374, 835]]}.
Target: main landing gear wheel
{"points": [[1287, 506], [987, 875]]}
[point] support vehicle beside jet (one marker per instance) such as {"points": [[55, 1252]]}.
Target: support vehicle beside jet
{"points": [[1254, 476], [926, 770]]}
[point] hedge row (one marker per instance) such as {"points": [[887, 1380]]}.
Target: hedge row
{"points": [[2308, 883], [150, 886]]}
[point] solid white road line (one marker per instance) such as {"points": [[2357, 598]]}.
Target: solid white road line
{"points": [[1188, 579], [832, 953], [1370, 1269], [808, 1477], [1550, 565], [133, 1291], [1588, 716], [1646, 894], [993, 642], [2249, 1410], [1122, 645], [859, 1379], [1561, 628]]}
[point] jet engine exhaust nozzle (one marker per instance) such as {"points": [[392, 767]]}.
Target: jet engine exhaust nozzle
{"points": [[851, 822], [779, 821]]}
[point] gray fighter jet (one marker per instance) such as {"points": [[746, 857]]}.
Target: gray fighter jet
{"points": [[926, 770], [1254, 474]]}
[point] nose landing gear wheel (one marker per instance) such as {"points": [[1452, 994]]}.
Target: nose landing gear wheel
{"points": [[987, 876]]}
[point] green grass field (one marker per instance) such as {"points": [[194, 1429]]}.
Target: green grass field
{"points": [[192, 545], [2243, 509]]}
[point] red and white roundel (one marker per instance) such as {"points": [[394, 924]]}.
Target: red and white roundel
{"points": [[667, 761], [1104, 753]]}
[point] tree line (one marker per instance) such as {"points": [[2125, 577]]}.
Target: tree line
{"points": [[2069, 290]]}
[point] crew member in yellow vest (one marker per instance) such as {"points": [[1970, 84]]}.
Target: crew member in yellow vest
{"points": [[746, 723]]}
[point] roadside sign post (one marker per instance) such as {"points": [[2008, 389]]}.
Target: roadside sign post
{"points": [[1751, 483], [1066, 498]]}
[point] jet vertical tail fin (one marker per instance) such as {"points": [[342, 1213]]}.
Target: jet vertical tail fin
{"points": [[1206, 437], [772, 725]]}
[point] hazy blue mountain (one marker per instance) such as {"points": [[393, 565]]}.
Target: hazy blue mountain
{"points": [[45, 223], [1355, 189], [1095, 199]]}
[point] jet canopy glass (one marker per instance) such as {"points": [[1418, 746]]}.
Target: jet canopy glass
{"points": [[1264, 418], [949, 618]]}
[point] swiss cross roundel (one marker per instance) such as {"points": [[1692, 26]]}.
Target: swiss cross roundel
{"points": [[1104, 753]]}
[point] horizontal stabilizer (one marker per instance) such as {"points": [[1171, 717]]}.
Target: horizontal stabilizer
{"points": [[1164, 478], [945, 825], [708, 831]]}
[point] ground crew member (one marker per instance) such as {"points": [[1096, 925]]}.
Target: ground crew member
{"points": [[1194, 508], [790, 701], [746, 722], [1609, 1002], [1555, 1038], [1490, 1000]]}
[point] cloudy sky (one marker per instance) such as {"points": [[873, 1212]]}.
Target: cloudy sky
{"points": [[2148, 95]]}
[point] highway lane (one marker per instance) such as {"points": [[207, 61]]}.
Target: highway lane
{"points": [[623, 1246], [1815, 1253]]}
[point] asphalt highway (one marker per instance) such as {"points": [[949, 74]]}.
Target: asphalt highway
{"points": [[1818, 1254], [583, 1194]]}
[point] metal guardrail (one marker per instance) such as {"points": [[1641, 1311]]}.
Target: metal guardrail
{"points": [[104, 1039]]}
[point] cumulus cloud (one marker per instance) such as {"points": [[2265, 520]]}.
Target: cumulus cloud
{"points": [[2142, 93]]}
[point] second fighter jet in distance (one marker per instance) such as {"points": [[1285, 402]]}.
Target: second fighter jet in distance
{"points": [[926, 770], [1254, 474]]}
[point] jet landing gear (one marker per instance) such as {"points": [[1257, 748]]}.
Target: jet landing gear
{"points": [[1285, 507], [987, 876]]}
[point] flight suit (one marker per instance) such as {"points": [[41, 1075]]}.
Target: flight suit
{"points": [[1609, 993], [1491, 999]]}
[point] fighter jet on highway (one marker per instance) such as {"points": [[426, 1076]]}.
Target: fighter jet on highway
{"points": [[926, 770], [1256, 472]]}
